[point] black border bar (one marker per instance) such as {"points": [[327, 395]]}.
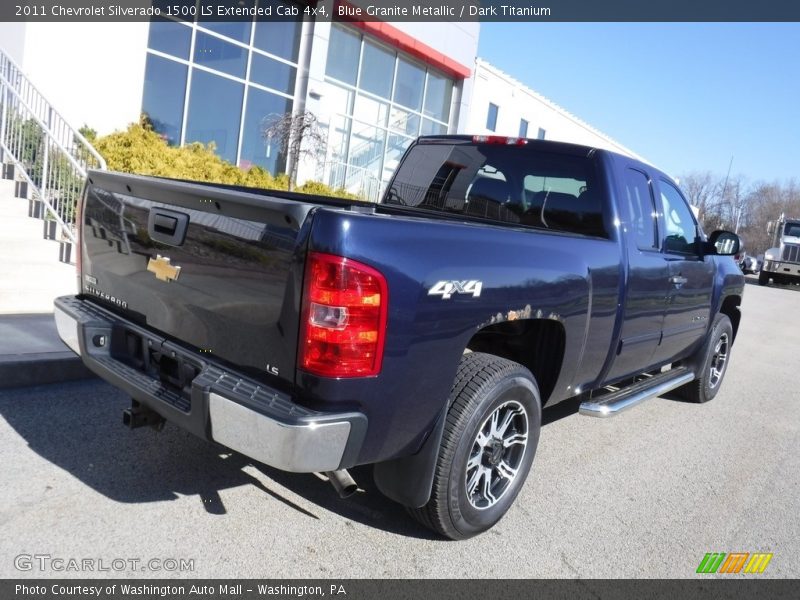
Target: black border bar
{"points": [[407, 10]]}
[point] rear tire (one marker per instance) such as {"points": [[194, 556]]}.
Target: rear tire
{"points": [[763, 278], [715, 356], [487, 447]]}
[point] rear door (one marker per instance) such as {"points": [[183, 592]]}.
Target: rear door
{"points": [[691, 277], [648, 273]]}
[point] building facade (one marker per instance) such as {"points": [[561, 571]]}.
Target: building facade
{"points": [[373, 87], [501, 105]]}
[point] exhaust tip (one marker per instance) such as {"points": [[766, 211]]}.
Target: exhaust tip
{"points": [[342, 482]]}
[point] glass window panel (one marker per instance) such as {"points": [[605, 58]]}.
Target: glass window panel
{"points": [[218, 54], [272, 73], [523, 128], [366, 149], [409, 85], [278, 34], [256, 149], [491, 117], [215, 108], [432, 128], [334, 171], [377, 70], [170, 37], [343, 52], [372, 111], [164, 92], [404, 121], [237, 30], [339, 99], [437, 97], [338, 138]]}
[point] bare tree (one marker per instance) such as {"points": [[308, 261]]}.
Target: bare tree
{"points": [[298, 135], [701, 189]]}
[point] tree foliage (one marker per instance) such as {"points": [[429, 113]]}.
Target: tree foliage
{"points": [[141, 150]]}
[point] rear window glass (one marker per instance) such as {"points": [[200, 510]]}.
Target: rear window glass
{"points": [[509, 184]]}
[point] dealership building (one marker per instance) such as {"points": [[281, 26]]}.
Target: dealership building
{"points": [[373, 86]]}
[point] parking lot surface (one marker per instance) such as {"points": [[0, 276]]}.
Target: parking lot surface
{"points": [[645, 494]]}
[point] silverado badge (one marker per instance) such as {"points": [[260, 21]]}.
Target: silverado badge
{"points": [[163, 269]]}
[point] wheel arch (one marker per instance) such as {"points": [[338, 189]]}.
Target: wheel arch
{"points": [[537, 344], [730, 307]]}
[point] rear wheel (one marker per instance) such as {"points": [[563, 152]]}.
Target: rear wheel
{"points": [[715, 355], [487, 448]]}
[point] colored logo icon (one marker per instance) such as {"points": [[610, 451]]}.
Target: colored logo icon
{"points": [[735, 562]]}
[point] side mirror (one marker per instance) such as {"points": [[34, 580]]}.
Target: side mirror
{"points": [[725, 243], [771, 227]]}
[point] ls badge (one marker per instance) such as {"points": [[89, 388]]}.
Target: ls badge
{"points": [[162, 268]]}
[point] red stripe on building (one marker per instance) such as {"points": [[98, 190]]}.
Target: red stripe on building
{"points": [[402, 41]]}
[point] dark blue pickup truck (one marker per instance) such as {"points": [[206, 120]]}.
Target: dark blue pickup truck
{"points": [[422, 334]]}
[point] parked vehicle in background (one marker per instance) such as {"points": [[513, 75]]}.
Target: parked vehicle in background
{"points": [[782, 261], [741, 257], [749, 264], [423, 334]]}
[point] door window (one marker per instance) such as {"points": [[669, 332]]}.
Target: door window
{"points": [[681, 228]]}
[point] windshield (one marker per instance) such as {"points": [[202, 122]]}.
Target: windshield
{"points": [[510, 184], [792, 230]]}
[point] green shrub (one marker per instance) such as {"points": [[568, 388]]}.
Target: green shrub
{"points": [[141, 150]]}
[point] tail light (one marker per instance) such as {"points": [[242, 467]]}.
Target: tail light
{"points": [[344, 318]]}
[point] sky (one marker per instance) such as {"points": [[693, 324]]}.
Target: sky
{"points": [[685, 96]]}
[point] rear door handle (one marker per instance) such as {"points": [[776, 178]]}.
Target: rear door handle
{"points": [[677, 280]]}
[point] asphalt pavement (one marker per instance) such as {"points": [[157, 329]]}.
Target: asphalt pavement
{"points": [[645, 494]]}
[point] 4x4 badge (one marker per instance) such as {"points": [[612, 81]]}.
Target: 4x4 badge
{"points": [[162, 268], [446, 289]]}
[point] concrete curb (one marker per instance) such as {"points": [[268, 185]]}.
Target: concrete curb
{"points": [[22, 370], [31, 353]]}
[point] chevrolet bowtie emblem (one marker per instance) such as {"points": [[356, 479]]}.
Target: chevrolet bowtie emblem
{"points": [[163, 269]]}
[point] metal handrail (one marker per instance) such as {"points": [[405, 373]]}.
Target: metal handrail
{"points": [[5, 62], [50, 155], [45, 129]]}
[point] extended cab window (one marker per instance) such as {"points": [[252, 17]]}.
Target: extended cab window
{"points": [[641, 209], [509, 184], [681, 228]]}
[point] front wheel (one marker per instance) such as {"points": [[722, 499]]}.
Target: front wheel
{"points": [[763, 277], [487, 448], [715, 355]]}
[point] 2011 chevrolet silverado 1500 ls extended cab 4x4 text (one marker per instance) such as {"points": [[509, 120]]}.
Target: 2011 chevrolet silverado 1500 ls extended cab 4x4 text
{"points": [[422, 334]]}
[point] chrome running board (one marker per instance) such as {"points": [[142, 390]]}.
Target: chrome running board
{"points": [[615, 402]]}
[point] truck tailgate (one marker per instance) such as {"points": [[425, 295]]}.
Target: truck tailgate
{"points": [[212, 267]]}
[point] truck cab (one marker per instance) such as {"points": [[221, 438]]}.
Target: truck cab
{"points": [[782, 261]]}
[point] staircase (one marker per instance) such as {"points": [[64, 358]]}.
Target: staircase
{"points": [[44, 167], [31, 274]]}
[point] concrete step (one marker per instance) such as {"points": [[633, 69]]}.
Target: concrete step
{"points": [[31, 274]]}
